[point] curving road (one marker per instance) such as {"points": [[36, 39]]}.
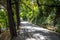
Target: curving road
{"points": [[29, 31]]}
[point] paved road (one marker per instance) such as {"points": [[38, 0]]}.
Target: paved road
{"points": [[30, 31]]}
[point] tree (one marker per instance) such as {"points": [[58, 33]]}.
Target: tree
{"points": [[57, 15], [17, 13], [12, 25], [0, 28]]}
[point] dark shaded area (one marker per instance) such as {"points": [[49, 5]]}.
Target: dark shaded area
{"points": [[57, 15], [17, 13], [12, 25]]}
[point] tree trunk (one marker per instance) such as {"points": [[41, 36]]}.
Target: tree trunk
{"points": [[57, 15], [11, 19], [17, 13], [0, 29]]}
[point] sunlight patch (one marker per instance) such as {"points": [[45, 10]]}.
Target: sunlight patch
{"points": [[30, 39], [24, 22], [39, 36]]}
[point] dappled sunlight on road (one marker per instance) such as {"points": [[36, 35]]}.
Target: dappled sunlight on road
{"points": [[30, 39], [24, 22], [27, 26], [38, 36], [29, 31]]}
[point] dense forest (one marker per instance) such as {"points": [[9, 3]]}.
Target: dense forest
{"points": [[44, 13]]}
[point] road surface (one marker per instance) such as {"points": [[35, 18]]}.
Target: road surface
{"points": [[29, 31]]}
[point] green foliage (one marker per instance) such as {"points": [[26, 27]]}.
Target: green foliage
{"points": [[31, 11], [3, 18], [40, 15]]}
